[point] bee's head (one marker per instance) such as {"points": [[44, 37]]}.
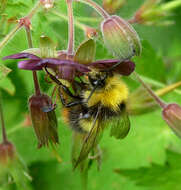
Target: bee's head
{"points": [[98, 79]]}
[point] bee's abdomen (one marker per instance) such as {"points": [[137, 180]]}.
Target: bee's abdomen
{"points": [[106, 112], [74, 121]]}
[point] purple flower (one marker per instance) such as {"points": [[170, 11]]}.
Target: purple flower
{"points": [[67, 69]]}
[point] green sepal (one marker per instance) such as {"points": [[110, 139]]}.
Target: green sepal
{"points": [[47, 47], [85, 53], [34, 51]]}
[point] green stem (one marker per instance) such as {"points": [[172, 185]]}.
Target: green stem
{"points": [[97, 7], [149, 90], [4, 135], [35, 78], [170, 5]]}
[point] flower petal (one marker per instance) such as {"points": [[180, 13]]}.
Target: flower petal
{"points": [[52, 62], [21, 56], [31, 64], [124, 68]]}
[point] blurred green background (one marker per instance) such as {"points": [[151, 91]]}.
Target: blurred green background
{"points": [[148, 158]]}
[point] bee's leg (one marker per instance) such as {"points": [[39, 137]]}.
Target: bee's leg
{"points": [[70, 104], [98, 151], [65, 88]]}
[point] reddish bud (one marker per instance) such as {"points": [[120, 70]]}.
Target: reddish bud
{"points": [[43, 119], [91, 32], [172, 115], [7, 152], [120, 38]]}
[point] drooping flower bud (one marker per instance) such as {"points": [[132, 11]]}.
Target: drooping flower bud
{"points": [[7, 152], [43, 119], [120, 38], [172, 115]]}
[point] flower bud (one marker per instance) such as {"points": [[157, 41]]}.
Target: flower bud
{"points": [[43, 119], [120, 38], [91, 32], [7, 152], [172, 115]]}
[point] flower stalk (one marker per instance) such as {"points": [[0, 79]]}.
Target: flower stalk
{"points": [[97, 7], [149, 90], [35, 78], [70, 49], [4, 135]]}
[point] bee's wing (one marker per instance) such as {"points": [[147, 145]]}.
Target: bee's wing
{"points": [[90, 140], [120, 126]]}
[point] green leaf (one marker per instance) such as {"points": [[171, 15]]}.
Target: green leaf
{"points": [[150, 63], [160, 177], [4, 71], [7, 85]]}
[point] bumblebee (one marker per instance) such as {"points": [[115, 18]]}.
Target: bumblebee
{"points": [[101, 103]]}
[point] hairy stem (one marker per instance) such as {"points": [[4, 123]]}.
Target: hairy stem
{"points": [[149, 90], [97, 7], [18, 26], [4, 135], [35, 78], [70, 49]]}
